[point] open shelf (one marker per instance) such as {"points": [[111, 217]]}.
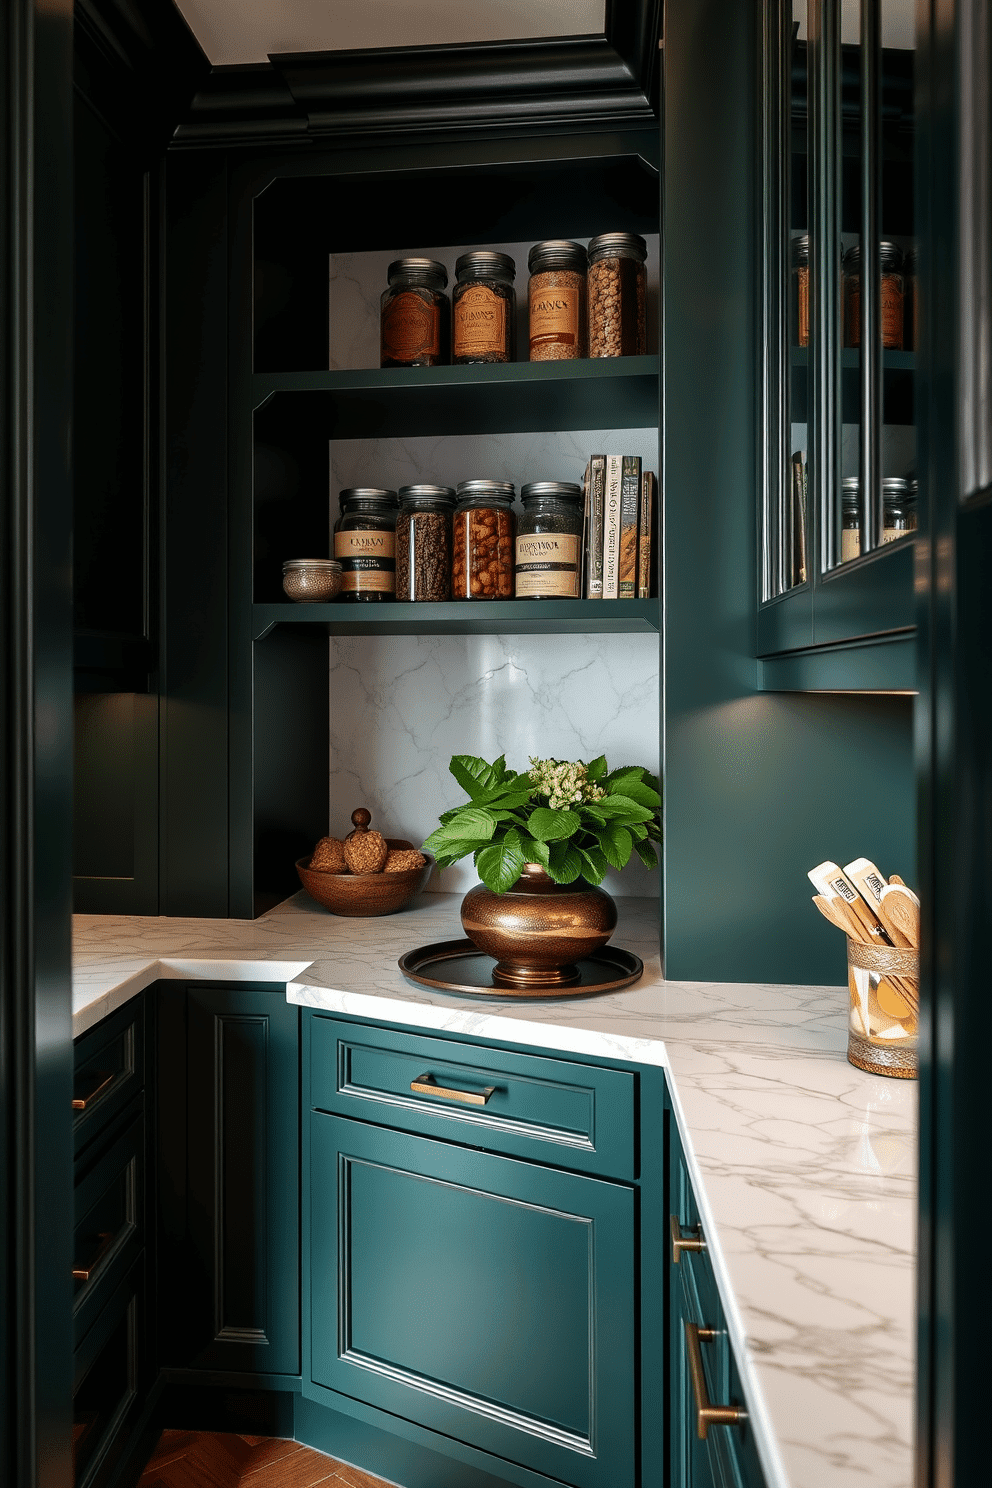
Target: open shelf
{"points": [[515, 397], [467, 617]]}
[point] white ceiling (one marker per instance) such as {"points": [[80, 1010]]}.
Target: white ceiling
{"points": [[231, 31]]}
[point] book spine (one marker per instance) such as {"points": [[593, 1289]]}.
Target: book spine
{"points": [[799, 518], [584, 549], [630, 491], [646, 531], [611, 527], [597, 502]]}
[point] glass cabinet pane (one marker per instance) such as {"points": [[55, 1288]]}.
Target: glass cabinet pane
{"points": [[796, 485]]}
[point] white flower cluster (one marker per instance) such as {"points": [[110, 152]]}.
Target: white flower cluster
{"points": [[564, 782]]}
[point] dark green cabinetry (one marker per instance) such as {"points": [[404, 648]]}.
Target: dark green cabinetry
{"points": [[726, 1457], [228, 1180], [112, 1365]]}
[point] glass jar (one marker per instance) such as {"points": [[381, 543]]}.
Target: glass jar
{"points": [[482, 558], [850, 519], [556, 296], [365, 544], [899, 508], [800, 291], [910, 301], [414, 319], [891, 297], [617, 284], [423, 543], [484, 309], [549, 541]]}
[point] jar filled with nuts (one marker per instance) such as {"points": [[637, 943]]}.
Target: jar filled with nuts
{"points": [[549, 541], [414, 315], [617, 295], [423, 543], [484, 308], [365, 543], [484, 530], [557, 301]]}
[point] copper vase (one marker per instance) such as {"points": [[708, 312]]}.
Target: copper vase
{"points": [[538, 930]]}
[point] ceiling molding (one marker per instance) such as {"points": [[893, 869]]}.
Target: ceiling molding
{"points": [[140, 63], [579, 82]]}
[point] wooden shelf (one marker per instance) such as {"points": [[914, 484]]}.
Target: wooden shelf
{"points": [[519, 397], [469, 617]]}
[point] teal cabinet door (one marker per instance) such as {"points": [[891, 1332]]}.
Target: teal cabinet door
{"points": [[229, 1181], [485, 1298]]}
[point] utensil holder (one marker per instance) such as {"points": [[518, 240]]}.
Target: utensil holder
{"points": [[883, 1023]]}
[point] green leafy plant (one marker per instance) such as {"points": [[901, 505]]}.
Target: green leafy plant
{"points": [[574, 819]]}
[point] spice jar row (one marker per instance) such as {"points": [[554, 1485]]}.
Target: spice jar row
{"points": [[581, 302], [899, 295], [899, 494], [431, 543]]}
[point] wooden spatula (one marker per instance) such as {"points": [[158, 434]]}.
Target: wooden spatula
{"points": [[870, 883]]}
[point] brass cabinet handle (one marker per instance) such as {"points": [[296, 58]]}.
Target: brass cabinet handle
{"points": [[682, 1242], [83, 1273], [427, 1085], [707, 1415], [81, 1102]]}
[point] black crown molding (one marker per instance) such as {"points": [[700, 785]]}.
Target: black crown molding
{"points": [[576, 82]]}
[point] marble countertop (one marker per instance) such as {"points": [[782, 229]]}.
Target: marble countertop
{"points": [[805, 1167]]}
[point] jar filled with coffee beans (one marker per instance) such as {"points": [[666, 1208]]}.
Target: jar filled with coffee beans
{"points": [[549, 541], [617, 295], [414, 315], [365, 544], [423, 543], [484, 529], [557, 301], [484, 308]]}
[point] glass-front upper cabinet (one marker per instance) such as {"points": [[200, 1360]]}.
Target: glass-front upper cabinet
{"points": [[838, 509]]}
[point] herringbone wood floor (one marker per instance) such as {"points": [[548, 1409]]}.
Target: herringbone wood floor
{"points": [[214, 1459]]}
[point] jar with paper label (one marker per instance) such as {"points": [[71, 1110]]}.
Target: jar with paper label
{"points": [[414, 317], [484, 309], [365, 544], [482, 555], [890, 298], [850, 519], [898, 507], [557, 301], [549, 541]]}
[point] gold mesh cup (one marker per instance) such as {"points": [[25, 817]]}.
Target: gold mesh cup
{"points": [[883, 1023]]}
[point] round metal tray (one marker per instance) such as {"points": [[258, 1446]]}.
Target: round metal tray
{"points": [[459, 966]]}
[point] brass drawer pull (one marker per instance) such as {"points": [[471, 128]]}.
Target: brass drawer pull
{"points": [[707, 1415], [682, 1242], [82, 1101], [83, 1273], [427, 1085]]}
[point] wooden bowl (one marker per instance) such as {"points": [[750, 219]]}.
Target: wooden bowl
{"points": [[365, 893]]}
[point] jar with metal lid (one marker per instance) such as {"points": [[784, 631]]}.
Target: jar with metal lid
{"points": [[800, 290], [311, 580], [556, 297], [365, 543], [910, 301], [890, 299], [483, 308], [850, 519], [423, 543], [549, 541], [898, 506], [617, 284], [483, 553], [414, 318]]}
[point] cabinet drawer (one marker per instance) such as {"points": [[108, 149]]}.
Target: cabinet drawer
{"points": [[108, 1208], [108, 1071], [488, 1299], [573, 1115], [106, 1377]]}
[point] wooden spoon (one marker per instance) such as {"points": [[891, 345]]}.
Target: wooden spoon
{"points": [[902, 908]]}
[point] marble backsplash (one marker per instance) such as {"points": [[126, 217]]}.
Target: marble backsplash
{"points": [[357, 281], [401, 706]]}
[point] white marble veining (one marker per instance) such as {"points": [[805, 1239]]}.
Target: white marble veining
{"points": [[357, 281], [804, 1166], [401, 706]]}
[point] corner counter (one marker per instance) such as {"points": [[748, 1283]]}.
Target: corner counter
{"points": [[805, 1167]]}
